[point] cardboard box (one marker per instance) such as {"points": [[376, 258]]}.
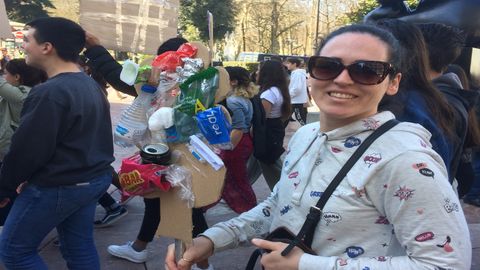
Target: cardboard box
{"points": [[130, 25], [207, 185], [5, 29]]}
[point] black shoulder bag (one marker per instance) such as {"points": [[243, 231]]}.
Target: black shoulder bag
{"points": [[304, 237]]}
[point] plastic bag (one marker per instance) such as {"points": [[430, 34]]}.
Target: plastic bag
{"points": [[179, 176], [197, 94], [187, 50], [140, 179], [168, 61], [215, 127]]}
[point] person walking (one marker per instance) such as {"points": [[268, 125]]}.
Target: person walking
{"points": [[60, 155], [238, 192], [298, 89], [15, 85], [275, 101]]}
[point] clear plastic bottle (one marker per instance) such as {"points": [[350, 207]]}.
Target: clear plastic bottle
{"points": [[131, 129]]}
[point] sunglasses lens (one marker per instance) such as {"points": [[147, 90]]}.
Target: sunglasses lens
{"points": [[368, 72], [324, 68]]}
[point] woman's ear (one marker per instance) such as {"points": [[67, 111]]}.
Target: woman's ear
{"points": [[394, 84], [17, 78]]}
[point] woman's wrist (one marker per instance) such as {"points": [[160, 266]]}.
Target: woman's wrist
{"points": [[207, 241]]}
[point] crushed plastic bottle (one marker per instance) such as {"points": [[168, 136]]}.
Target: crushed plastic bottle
{"points": [[132, 127]]}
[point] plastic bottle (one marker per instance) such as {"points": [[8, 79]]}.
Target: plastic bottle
{"points": [[131, 128]]}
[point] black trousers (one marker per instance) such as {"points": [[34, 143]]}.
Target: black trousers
{"points": [[300, 113], [151, 220]]}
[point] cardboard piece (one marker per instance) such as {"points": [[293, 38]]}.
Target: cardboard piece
{"points": [[223, 84], [207, 185], [130, 25], [5, 29]]}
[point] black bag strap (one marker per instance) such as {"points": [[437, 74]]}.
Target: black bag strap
{"points": [[253, 259], [307, 231]]}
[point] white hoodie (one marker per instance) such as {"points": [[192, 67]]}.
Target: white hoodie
{"points": [[394, 210], [298, 87]]}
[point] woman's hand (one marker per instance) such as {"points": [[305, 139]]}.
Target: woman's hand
{"points": [[235, 137], [274, 259], [200, 250]]}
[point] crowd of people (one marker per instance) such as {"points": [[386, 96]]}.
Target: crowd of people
{"points": [[398, 207]]}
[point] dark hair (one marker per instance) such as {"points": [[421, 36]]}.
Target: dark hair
{"points": [[444, 44], [272, 73], [66, 36], [171, 45], [240, 75], [294, 60], [29, 76], [395, 52], [415, 78], [245, 88]]}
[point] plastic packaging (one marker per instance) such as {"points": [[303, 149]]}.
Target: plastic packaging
{"points": [[132, 127], [168, 61], [179, 176], [144, 73], [158, 122], [198, 92], [137, 178], [187, 50], [166, 94], [214, 126], [129, 72]]}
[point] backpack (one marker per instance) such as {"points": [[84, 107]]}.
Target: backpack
{"points": [[267, 134]]}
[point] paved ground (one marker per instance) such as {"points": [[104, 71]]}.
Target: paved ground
{"points": [[127, 228]]}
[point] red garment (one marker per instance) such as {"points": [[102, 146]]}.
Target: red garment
{"points": [[237, 191]]}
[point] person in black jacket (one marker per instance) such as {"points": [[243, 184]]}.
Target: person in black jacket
{"points": [[60, 155], [444, 45]]}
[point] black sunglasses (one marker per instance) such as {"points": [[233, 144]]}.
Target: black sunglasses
{"points": [[362, 72]]}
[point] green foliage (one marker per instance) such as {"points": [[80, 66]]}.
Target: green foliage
{"points": [[365, 6], [191, 32], [250, 66], [25, 11], [194, 13]]}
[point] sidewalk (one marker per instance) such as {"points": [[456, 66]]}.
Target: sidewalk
{"points": [[127, 228]]}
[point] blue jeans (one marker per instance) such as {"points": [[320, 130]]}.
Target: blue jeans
{"points": [[474, 192], [38, 210]]}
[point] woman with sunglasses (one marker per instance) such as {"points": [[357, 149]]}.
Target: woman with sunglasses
{"points": [[395, 208]]}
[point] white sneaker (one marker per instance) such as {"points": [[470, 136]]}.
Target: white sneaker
{"points": [[195, 267], [127, 252]]}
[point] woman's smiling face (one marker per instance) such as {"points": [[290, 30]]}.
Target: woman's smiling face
{"points": [[341, 100]]}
